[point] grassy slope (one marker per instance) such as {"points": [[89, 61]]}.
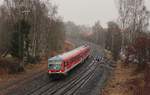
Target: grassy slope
{"points": [[127, 80]]}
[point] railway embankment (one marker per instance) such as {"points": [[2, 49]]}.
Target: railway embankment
{"points": [[7, 79], [127, 79]]}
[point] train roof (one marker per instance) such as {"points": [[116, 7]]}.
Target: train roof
{"points": [[58, 57], [68, 54], [64, 55]]}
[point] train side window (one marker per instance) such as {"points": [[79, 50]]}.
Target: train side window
{"points": [[66, 63]]}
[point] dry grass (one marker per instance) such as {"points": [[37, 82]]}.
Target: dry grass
{"points": [[28, 69], [125, 81], [108, 54]]}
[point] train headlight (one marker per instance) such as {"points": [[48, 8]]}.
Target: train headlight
{"points": [[49, 71], [61, 70]]}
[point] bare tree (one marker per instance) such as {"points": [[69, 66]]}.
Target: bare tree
{"points": [[114, 38], [133, 18], [27, 26]]}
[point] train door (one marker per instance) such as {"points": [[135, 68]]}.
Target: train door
{"points": [[65, 65]]}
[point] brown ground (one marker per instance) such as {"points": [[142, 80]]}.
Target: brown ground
{"points": [[7, 79], [127, 80]]}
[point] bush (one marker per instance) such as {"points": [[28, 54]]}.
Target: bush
{"points": [[10, 66]]}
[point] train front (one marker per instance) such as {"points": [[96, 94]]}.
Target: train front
{"points": [[55, 66]]}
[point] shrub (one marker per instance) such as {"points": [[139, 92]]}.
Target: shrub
{"points": [[10, 66]]}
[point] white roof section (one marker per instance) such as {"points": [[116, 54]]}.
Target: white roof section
{"points": [[64, 55], [67, 54]]}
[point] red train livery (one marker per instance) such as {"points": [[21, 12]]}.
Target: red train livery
{"points": [[61, 64]]}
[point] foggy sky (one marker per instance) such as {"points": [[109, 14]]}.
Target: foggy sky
{"points": [[88, 11]]}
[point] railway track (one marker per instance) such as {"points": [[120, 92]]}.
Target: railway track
{"points": [[52, 88], [72, 88]]}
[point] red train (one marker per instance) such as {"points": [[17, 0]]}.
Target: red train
{"points": [[62, 64]]}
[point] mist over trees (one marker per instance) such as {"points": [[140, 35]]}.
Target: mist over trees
{"points": [[77, 31], [72, 29], [109, 38], [99, 34]]}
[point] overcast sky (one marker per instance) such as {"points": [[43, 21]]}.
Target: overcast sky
{"points": [[88, 11]]}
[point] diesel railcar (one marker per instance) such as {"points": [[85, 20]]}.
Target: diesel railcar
{"points": [[62, 64]]}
